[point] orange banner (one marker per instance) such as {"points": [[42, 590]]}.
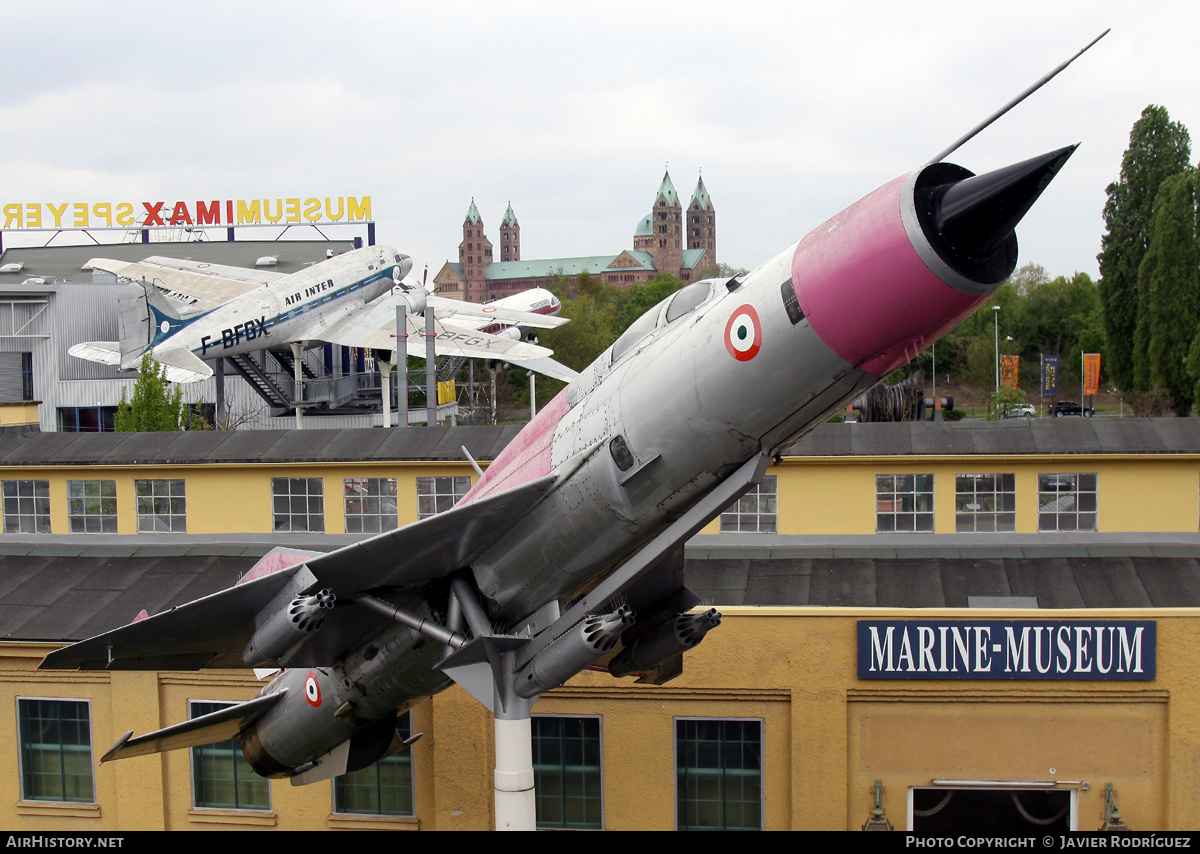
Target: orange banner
{"points": [[1008, 370], [1091, 373]]}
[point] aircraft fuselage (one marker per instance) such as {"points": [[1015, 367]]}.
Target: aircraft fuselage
{"points": [[291, 308], [716, 375]]}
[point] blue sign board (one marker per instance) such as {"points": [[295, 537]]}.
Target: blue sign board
{"points": [[1049, 377], [1007, 649]]}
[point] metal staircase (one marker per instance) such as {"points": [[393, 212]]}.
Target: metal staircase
{"points": [[262, 381]]}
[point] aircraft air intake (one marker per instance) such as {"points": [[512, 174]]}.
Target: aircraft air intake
{"points": [[970, 219]]}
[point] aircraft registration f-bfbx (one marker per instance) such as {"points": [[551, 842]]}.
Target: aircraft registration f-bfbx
{"points": [[593, 500]]}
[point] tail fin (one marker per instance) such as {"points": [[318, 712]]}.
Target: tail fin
{"points": [[145, 317]]}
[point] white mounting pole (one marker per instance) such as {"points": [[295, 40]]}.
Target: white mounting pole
{"points": [[385, 390], [297, 355], [402, 359], [515, 803], [431, 400]]}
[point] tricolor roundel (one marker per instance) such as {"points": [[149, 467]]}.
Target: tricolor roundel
{"points": [[743, 333], [312, 691]]}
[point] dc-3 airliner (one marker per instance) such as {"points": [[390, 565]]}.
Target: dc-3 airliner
{"points": [[187, 312], [568, 551]]}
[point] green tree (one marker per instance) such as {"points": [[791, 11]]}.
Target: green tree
{"points": [[1170, 280], [595, 309], [1028, 277], [1158, 148], [999, 402], [155, 406]]}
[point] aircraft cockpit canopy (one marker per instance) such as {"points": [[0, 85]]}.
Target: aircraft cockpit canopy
{"points": [[682, 302]]}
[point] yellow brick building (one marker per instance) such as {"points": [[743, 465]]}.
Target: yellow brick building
{"points": [[939, 528]]}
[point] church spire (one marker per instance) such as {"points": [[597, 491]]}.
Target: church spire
{"points": [[666, 192], [510, 236], [473, 213]]}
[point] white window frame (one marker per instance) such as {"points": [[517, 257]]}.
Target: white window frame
{"points": [[385, 519], [969, 505], [433, 503], [107, 523], [1051, 506], [40, 521], [286, 521], [176, 516], [896, 496], [748, 516]]}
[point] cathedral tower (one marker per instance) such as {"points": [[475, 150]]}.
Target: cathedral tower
{"points": [[667, 217], [702, 222], [474, 254], [510, 236]]}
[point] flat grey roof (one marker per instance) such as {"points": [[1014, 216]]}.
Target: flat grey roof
{"points": [[1037, 436], [64, 263], [25, 448], [1104, 435], [73, 587]]}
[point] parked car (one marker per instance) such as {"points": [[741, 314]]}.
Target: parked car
{"points": [[1070, 407], [1019, 410]]}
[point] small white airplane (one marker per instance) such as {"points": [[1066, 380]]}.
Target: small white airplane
{"points": [[187, 312]]}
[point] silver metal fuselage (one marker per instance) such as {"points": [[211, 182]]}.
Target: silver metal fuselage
{"points": [[687, 396], [292, 308]]}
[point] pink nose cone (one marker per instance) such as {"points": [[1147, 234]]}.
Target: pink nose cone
{"points": [[866, 292]]}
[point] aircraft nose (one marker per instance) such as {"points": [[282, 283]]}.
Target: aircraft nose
{"points": [[890, 275]]}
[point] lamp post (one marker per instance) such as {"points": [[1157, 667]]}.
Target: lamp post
{"points": [[996, 314]]}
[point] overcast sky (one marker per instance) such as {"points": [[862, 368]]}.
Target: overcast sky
{"points": [[571, 111]]}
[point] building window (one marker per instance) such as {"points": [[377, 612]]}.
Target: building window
{"points": [[161, 506], [755, 512], [985, 503], [92, 506], [56, 750], [718, 774], [384, 788], [221, 776], [438, 494], [1067, 502], [26, 506], [903, 502], [87, 419], [566, 772], [299, 503], [370, 504], [26, 376]]}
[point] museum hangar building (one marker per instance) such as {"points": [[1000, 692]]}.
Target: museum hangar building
{"points": [[930, 626]]}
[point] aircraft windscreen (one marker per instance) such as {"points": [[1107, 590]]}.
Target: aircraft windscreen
{"points": [[687, 299], [681, 302], [637, 330]]}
